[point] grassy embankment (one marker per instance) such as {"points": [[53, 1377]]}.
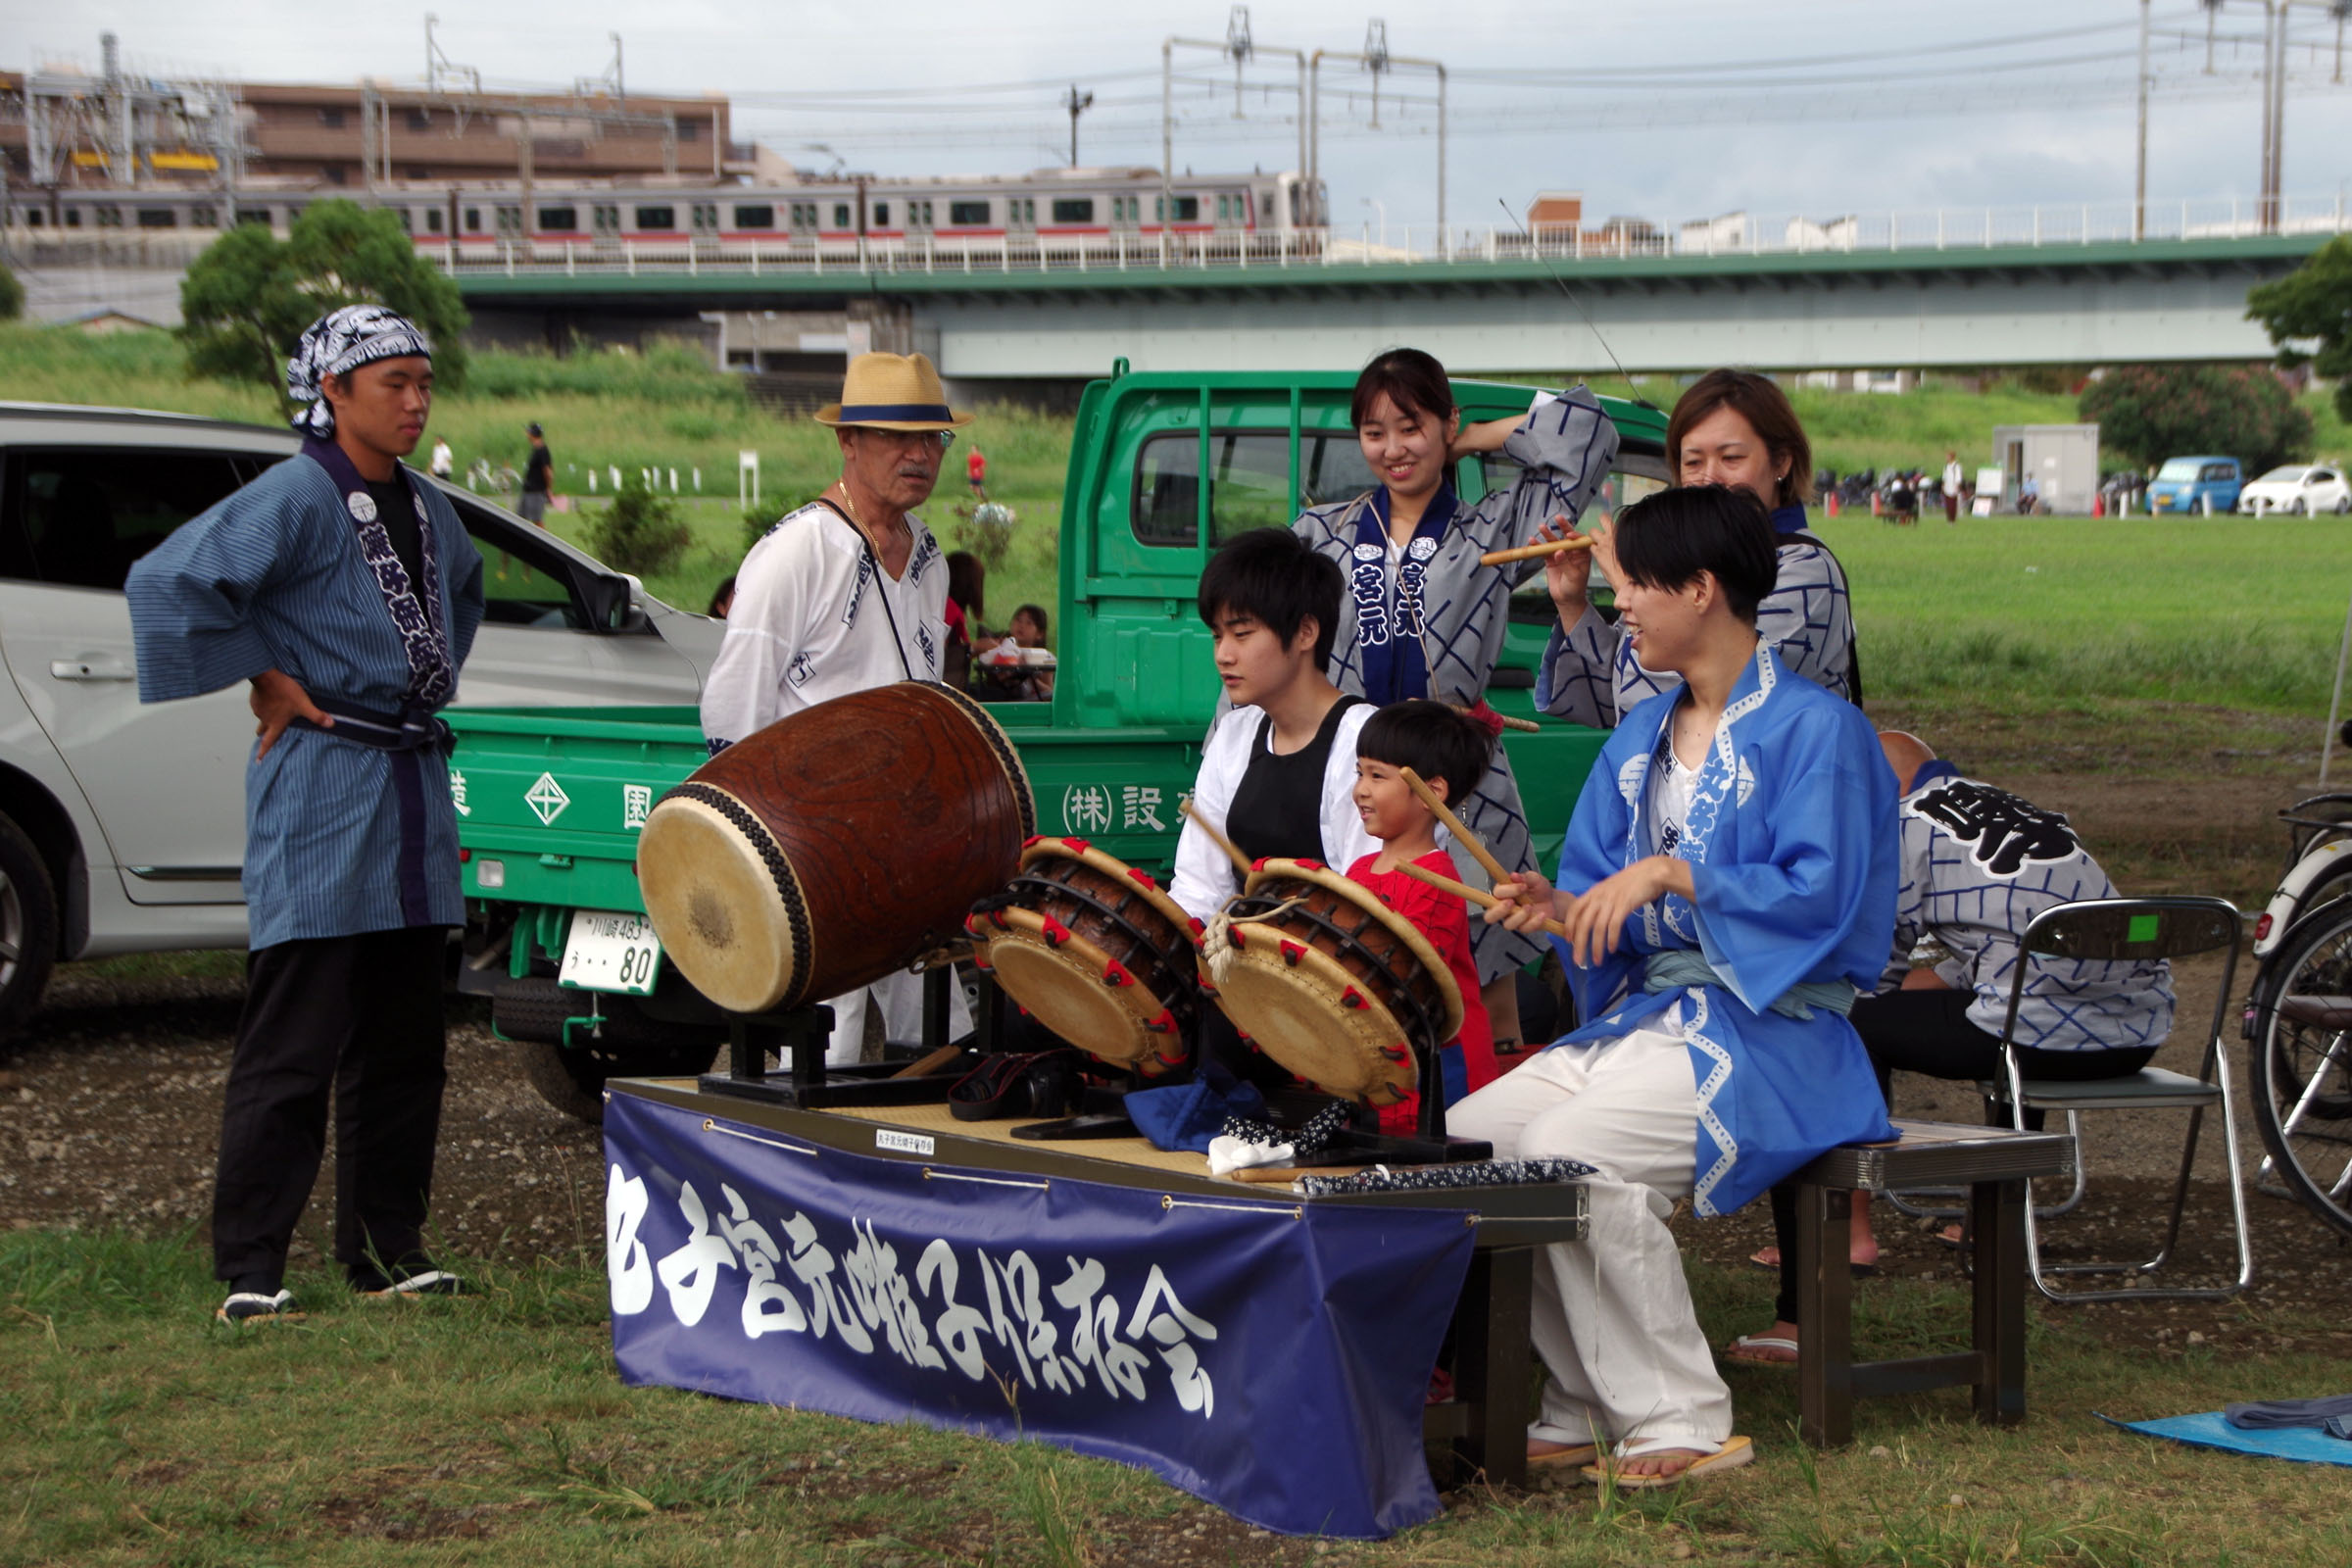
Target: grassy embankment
{"points": [[493, 1432]]}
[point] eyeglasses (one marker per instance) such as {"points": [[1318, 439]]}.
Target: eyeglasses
{"points": [[938, 440]]}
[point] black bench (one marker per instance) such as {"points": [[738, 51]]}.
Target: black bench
{"points": [[1993, 1163]]}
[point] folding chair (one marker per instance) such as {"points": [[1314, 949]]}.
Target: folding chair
{"points": [[2134, 930]]}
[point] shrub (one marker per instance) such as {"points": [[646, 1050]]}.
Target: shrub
{"points": [[2153, 411], [641, 531], [12, 295]]}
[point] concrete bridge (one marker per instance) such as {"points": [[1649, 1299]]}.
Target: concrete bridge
{"points": [[2105, 303]]}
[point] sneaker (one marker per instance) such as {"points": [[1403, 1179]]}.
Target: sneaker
{"points": [[421, 1282], [246, 1306]]}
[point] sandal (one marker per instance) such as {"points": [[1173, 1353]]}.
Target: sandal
{"points": [[1574, 1457], [1730, 1455], [1739, 1349]]}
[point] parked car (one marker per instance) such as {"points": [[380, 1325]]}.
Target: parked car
{"points": [[123, 825], [2299, 490], [2202, 485]]}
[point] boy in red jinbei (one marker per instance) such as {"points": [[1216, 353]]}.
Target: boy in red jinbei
{"points": [[1450, 753]]}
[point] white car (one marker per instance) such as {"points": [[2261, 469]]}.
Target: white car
{"points": [[2298, 489], [123, 825]]}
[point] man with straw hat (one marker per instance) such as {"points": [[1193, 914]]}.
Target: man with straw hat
{"points": [[848, 593]]}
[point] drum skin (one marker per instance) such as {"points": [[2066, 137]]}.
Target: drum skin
{"points": [[1096, 951], [833, 847], [1329, 981]]}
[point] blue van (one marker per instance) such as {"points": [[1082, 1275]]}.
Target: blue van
{"points": [[2203, 485]]}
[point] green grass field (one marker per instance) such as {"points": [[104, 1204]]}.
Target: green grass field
{"points": [[492, 1431]]}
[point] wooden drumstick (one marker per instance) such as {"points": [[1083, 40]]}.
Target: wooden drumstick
{"points": [[1479, 895], [1241, 861], [1550, 547], [1462, 835]]}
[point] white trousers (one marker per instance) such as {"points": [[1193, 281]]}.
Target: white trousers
{"points": [[900, 996], [1612, 1316]]}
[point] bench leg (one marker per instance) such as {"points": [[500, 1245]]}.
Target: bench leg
{"points": [[1997, 1219], [1491, 1357], [1824, 1322]]}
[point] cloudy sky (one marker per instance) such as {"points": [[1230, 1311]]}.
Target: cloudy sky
{"points": [[1667, 109]]}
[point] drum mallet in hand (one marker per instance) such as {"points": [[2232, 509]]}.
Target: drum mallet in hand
{"points": [[1479, 895]]}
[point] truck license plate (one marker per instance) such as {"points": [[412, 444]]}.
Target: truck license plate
{"points": [[611, 952]]}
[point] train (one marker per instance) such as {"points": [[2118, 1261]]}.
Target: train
{"points": [[1045, 207]]}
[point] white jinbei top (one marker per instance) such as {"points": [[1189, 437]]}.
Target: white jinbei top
{"points": [[814, 618]]}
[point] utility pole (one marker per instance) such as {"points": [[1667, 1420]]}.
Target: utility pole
{"points": [[2273, 36], [2140, 182], [1240, 48], [1077, 104], [1375, 34]]}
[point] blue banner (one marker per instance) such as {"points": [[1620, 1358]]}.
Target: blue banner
{"points": [[1271, 1357]]}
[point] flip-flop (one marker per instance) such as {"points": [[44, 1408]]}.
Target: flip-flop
{"points": [[1573, 1458], [1861, 1271], [1761, 1342], [1730, 1455]]}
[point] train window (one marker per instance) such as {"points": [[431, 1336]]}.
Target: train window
{"points": [[657, 218], [420, 119], [918, 214], [158, 217], [559, 219], [107, 216], [1025, 210], [760, 216], [1073, 209], [967, 213], [1188, 208], [73, 218], [841, 214], [690, 129], [881, 214], [510, 220], [432, 219], [804, 217], [706, 217], [33, 216], [254, 214], [1265, 206], [474, 220], [331, 119], [605, 220], [202, 215], [408, 224]]}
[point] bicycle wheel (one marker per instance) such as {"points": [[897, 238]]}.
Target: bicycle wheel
{"points": [[2302, 1066]]}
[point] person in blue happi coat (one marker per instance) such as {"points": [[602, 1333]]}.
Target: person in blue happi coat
{"points": [[343, 588], [1728, 886]]}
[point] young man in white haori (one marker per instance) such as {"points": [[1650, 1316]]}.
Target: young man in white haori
{"points": [[1736, 850], [846, 594]]}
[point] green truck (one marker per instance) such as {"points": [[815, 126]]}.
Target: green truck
{"points": [[1163, 467]]}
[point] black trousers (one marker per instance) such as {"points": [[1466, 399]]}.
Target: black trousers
{"points": [[1928, 1032], [360, 1018]]}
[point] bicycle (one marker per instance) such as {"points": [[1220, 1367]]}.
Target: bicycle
{"points": [[2298, 1015], [499, 481]]}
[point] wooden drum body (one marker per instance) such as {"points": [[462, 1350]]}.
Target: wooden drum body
{"points": [[833, 847], [1096, 952], [1329, 981]]}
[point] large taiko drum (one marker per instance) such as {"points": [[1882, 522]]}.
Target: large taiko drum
{"points": [[1329, 981], [1096, 951], [835, 846]]}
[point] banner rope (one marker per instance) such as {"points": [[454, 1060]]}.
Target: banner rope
{"points": [[710, 1126]]}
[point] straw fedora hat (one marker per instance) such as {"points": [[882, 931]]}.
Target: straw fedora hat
{"points": [[891, 392]]}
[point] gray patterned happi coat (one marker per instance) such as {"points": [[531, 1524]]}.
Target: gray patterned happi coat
{"points": [[1563, 450], [1590, 675]]}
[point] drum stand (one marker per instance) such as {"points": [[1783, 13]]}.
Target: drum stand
{"points": [[799, 1036]]}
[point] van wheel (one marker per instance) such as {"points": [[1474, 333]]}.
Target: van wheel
{"points": [[531, 1013], [27, 928]]}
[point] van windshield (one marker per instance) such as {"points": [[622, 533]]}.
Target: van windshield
{"points": [[2178, 469]]}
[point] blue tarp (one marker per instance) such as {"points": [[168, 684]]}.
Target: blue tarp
{"points": [[1271, 1356], [2211, 1430]]}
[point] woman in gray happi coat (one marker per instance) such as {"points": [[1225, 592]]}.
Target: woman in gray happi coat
{"points": [[1421, 617]]}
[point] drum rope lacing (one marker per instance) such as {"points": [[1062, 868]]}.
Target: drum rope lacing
{"points": [[1259, 906], [1145, 942], [779, 870]]}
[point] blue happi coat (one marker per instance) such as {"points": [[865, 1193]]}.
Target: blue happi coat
{"points": [[1792, 842], [287, 574]]}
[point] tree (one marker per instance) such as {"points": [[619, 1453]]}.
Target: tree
{"points": [[641, 531], [2149, 413], [2312, 305], [246, 300], [12, 295]]}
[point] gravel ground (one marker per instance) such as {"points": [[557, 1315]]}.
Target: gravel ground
{"points": [[110, 1112]]}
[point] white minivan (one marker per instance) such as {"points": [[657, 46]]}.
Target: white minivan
{"points": [[123, 825]]}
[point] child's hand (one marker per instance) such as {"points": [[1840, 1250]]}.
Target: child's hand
{"points": [[1523, 902]]}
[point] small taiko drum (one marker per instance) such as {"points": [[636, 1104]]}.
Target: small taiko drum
{"points": [[835, 846], [1329, 981], [1096, 951]]}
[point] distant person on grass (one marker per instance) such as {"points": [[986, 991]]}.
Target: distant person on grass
{"points": [[1954, 477], [1979, 865], [975, 473], [346, 592], [538, 476]]}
